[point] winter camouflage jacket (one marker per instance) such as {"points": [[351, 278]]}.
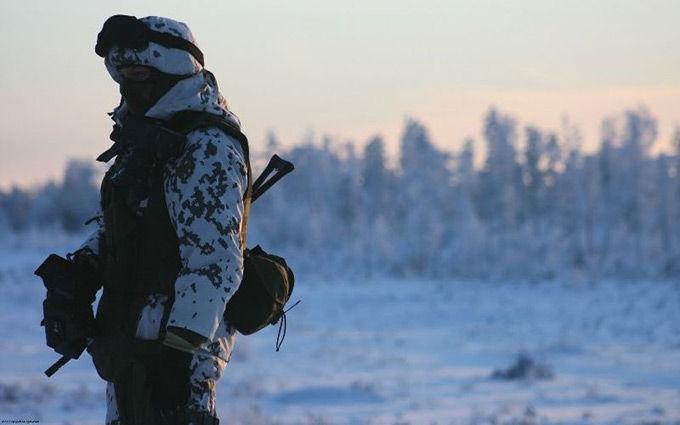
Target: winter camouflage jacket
{"points": [[200, 211]]}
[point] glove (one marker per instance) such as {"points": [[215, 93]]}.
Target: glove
{"points": [[169, 380], [67, 326], [67, 309]]}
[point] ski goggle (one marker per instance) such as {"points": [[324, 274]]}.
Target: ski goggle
{"points": [[129, 32]]}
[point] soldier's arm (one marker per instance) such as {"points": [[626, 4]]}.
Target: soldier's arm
{"points": [[88, 261], [204, 190]]}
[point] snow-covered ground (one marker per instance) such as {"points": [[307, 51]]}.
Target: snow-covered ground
{"points": [[394, 352]]}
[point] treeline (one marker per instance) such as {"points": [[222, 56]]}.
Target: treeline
{"points": [[56, 206], [537, 207]]}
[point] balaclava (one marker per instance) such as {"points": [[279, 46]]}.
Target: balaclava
{"points": [[140, 96]]}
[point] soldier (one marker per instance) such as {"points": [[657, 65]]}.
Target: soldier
{"points": [[168, 248]]}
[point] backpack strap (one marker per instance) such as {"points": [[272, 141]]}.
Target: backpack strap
{"points": [[186, 121]]}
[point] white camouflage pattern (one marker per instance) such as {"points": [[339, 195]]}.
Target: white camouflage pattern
{"points": [[207, 364], [204, 190]]}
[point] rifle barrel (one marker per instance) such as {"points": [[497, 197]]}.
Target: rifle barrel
{"points": [[56, 366]]}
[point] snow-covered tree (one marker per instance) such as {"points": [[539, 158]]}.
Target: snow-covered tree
{"points": [[424, 190], [539, 209]]}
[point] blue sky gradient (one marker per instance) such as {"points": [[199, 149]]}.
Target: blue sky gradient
{"points": [[349, 69]]}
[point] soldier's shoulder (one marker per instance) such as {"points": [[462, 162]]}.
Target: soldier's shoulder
{"points": [[214, 140], [224, 132]]}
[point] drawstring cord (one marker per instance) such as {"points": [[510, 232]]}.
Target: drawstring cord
{"points": [[283, 325]]}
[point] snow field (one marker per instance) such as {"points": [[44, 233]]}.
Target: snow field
{"points": [[395, 352]]}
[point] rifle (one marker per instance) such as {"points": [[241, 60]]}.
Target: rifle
{"points": [[282, 168]]}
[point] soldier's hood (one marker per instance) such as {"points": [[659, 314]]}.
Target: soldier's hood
{"points": [[198, 91]]}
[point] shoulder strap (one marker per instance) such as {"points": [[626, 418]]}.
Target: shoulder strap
{"points": [[187, 121]]}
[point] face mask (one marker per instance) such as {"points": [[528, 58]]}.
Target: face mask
{"points": [[140, 96]]}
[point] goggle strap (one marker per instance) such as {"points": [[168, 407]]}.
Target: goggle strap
{"points": [[169, 40]]}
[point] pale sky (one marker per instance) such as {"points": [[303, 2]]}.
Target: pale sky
{"points": [[348, 68]]}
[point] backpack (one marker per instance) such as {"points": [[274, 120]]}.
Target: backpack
{"points": [[266, 287]]}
